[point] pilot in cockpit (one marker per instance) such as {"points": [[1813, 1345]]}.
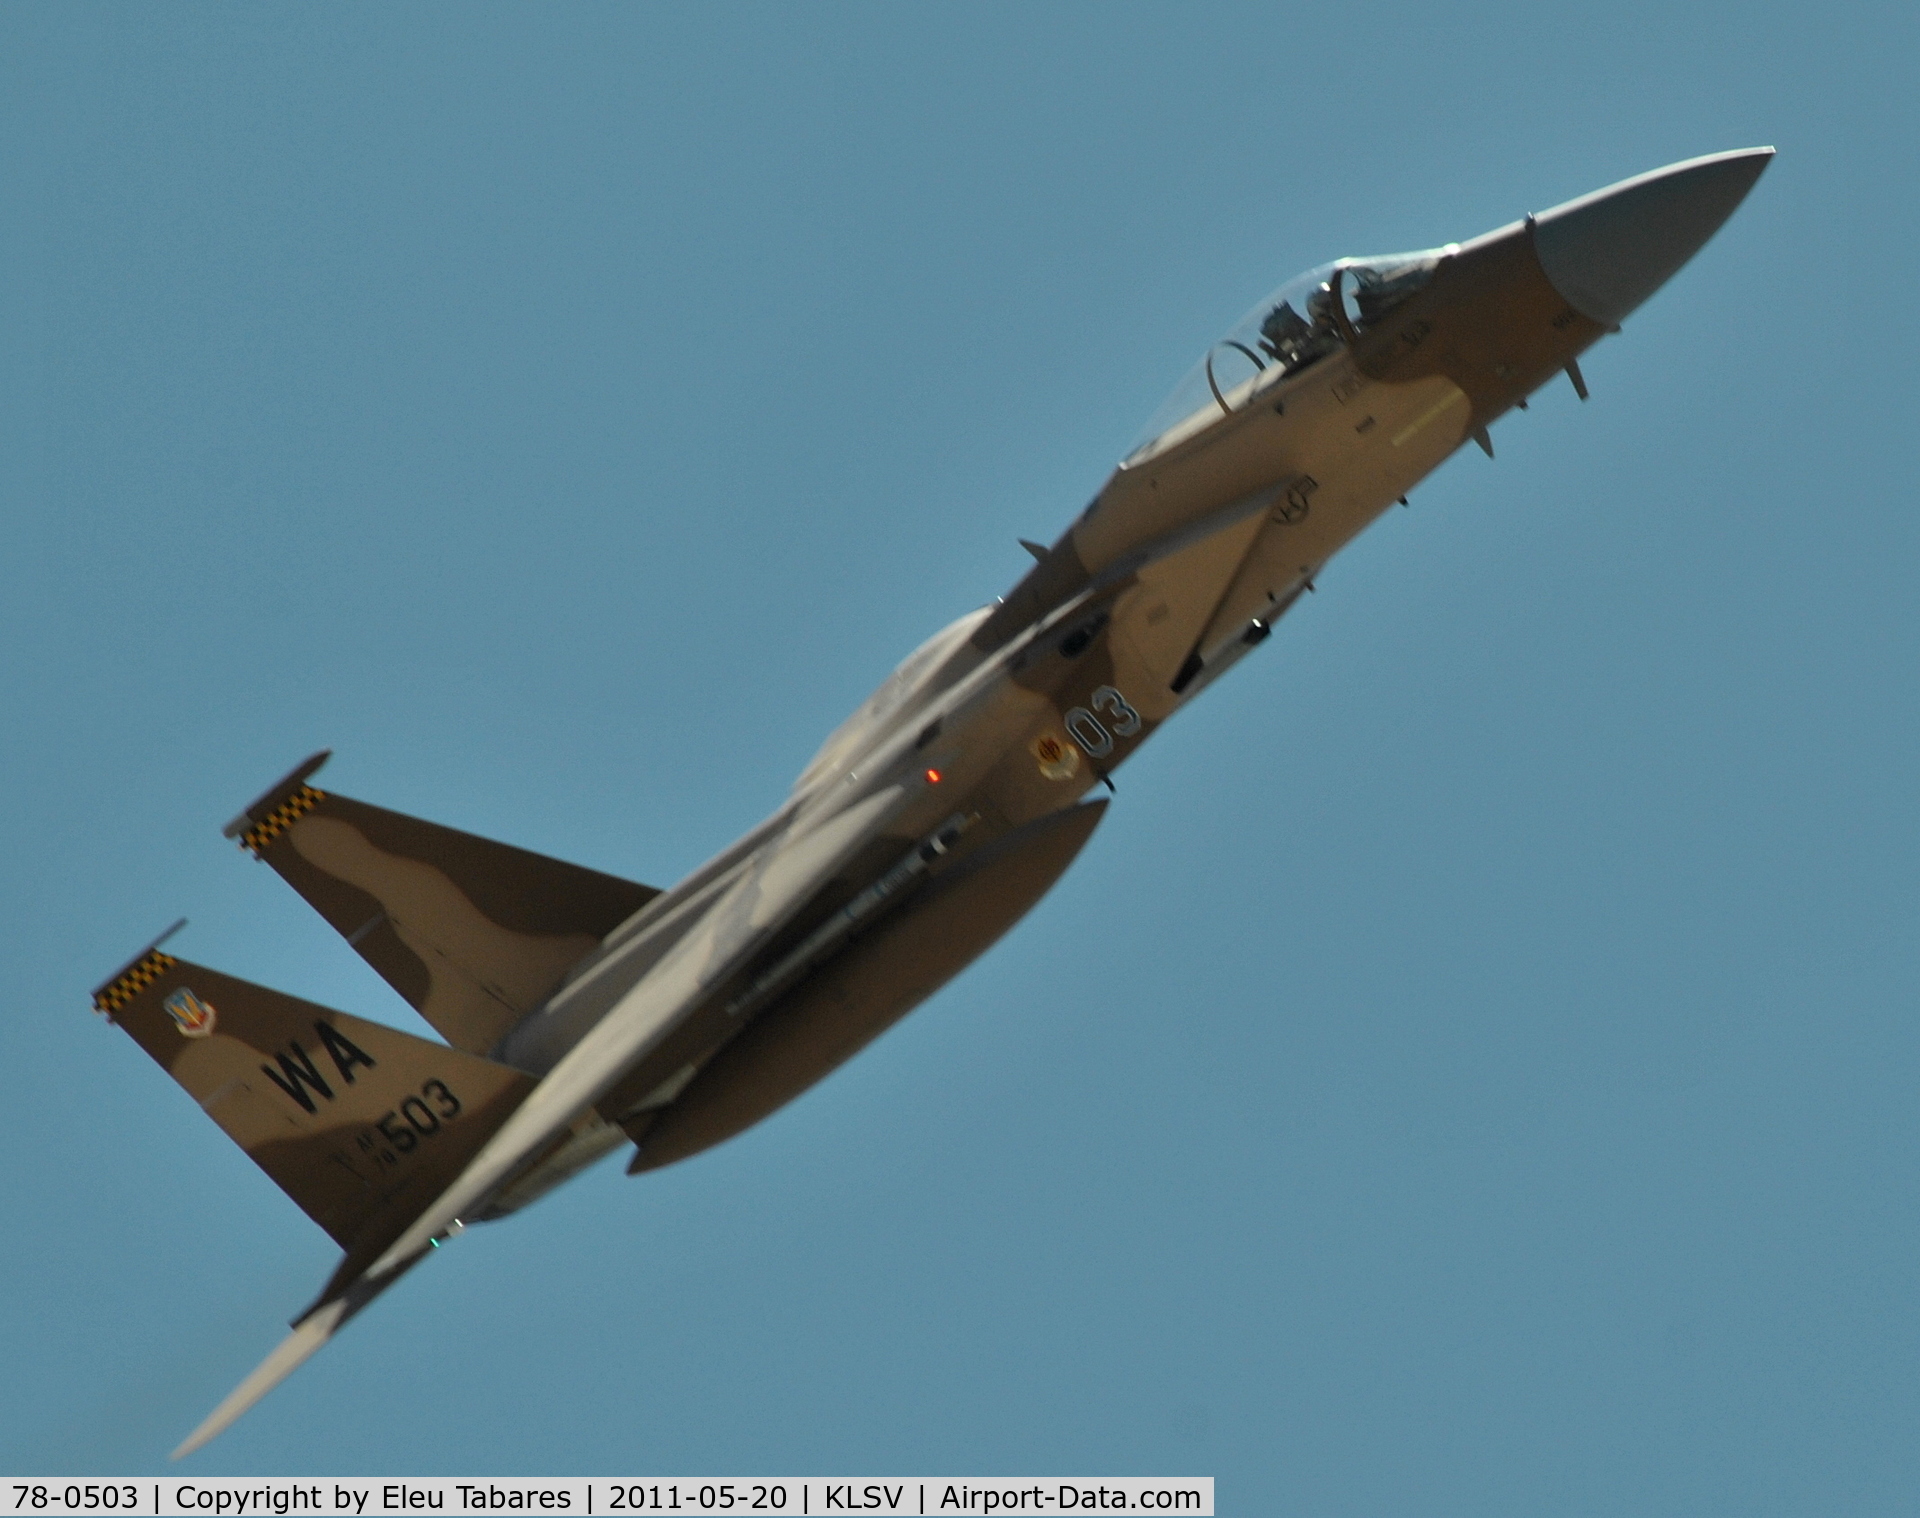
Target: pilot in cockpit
{"points": [[1292, 339]]}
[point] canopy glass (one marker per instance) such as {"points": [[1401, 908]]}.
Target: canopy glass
{"points": [[1303, 321]]}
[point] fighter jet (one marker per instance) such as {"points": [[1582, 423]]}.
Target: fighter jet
{"points": [[584, 1013]]}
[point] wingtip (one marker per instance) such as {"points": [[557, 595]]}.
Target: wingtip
{"points": [[293, 1351]]}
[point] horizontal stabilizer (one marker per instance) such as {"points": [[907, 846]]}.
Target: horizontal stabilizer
{"points": [[361, 1124], [474, 934]]}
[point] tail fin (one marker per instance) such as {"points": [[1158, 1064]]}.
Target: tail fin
{"points": [[474, 934], [360, 1124]]}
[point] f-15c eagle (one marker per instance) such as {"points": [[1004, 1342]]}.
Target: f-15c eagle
{"points": [[583, 1013]]}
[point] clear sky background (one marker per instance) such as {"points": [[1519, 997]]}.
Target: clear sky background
{"points": [[1474, 1069]]}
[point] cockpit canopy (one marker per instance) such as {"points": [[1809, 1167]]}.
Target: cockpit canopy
{"points": [[1307, 318]]}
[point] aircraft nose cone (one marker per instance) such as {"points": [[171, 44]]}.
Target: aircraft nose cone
{"points": [[1608, 251]]}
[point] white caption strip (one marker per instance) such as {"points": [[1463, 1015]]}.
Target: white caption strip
{"points": [[601, 1496]]}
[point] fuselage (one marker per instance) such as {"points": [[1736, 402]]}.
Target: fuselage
{"points": [[583, 1012], [1334, 399]]}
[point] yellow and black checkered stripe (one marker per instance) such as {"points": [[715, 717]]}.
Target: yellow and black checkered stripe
{"points": [[141, 974], [282, 817]]}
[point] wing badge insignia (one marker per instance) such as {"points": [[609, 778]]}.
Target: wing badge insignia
{"points": [[1059, 759], [192, 1016]]}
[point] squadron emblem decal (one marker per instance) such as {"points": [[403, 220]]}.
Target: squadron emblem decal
{"points": [[192, 1016], [1299, 501], [1059, 759]]}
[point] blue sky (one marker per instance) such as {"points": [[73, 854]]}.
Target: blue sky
{"points": [[1473, 1069]]}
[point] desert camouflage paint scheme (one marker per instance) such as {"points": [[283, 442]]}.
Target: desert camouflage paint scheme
{"points": [[361, 1124], [473, 934], [585, 1013]]}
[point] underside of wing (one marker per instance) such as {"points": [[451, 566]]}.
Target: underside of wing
{"points": [[855, 997], [310, 1332]]}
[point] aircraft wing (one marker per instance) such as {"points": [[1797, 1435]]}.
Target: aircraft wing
{"points": [[788, 869], [309, 1333]]}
